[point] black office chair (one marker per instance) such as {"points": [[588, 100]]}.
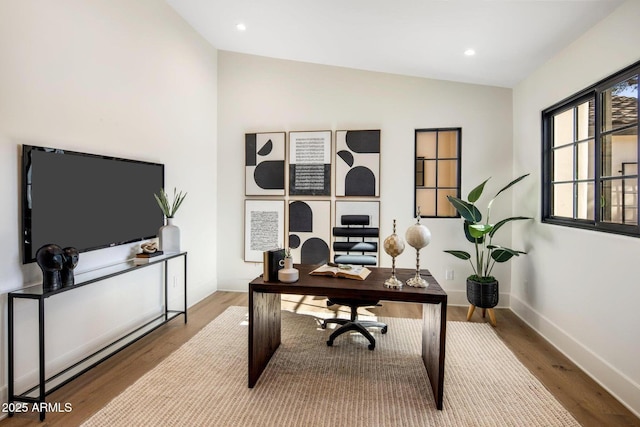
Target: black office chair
{"points": [[364, 244]]}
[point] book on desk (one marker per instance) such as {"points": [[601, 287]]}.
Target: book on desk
{"points": [[346, 271]]}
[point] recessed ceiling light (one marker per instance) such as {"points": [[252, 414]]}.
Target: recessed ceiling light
{"points": [[241, 27], [469, 52]]}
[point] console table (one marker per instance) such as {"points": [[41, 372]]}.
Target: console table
{"points": [[265, 316], [45, 386]]}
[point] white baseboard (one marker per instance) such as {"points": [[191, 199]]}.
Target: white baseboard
{"points": [[615, 382]]}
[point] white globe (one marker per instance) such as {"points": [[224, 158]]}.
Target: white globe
{"points": [[418, 236]]}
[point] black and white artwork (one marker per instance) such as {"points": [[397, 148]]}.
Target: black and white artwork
{"points": [[310, 163], [263, 227], [358, 163], [310, 231], [264, 164]]}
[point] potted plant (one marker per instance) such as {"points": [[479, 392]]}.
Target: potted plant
{"points": [[169, 234], [169, 209], [482, 287]]}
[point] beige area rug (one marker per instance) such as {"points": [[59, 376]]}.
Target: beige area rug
{"points": [[204, 383]]}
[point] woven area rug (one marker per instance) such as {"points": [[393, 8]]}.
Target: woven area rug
{"points": [[307, 383]]}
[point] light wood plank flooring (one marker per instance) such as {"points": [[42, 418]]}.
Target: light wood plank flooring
{"points": [[590, 404]]}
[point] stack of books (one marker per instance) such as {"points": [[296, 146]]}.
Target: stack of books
{"points": [[144, 258]]}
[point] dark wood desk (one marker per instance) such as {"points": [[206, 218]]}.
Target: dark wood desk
{"points": [[265, 317]]}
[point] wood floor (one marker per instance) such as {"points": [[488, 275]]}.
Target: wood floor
{"points": [[589, 403]]}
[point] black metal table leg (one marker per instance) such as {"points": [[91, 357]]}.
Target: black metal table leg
{"points": [[10, 389], [41, 398], [185, 288]]}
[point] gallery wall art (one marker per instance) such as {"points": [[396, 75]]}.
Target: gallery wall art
{"points": [[310, 231], [358, 163], [310, 163], [305, 216], [264, 164], [264, 227]]}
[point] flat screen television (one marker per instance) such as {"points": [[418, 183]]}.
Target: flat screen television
{"points": [[86, 201]]}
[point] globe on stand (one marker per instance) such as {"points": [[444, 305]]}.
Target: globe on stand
{"points": [[418, 236], [393, 245]]}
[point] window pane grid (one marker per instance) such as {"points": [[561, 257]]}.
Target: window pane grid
{"points": [[572, 181], [437, 171], [571, 143], [590, 165], [619, 129]]}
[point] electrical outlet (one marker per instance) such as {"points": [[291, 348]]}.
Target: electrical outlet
{"points": [[448, 274]]}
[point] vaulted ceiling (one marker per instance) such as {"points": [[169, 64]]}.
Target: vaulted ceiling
{"points": [[425, 38]]}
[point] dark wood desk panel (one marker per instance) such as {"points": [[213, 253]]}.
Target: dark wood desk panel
{"points": [[265, 318]]}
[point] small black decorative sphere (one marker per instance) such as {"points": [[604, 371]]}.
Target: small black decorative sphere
{"points": [[50, 259], [71, 257]]}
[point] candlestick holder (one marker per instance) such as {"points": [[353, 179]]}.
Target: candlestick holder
{"points": [[418, 236], [394, 246]]}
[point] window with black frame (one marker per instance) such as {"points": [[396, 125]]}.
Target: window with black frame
{"points": [[437, 171], [590, 157]]}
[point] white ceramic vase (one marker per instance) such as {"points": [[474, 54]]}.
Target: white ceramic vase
{"points": [[288, 274], [169, 236]]}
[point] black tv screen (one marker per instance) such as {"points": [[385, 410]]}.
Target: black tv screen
{"points": [[86, 201]]}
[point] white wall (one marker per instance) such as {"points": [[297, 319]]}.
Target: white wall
{"points": [[258, 94], [579, 288], [115, 77]]}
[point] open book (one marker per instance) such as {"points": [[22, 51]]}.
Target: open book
{"points": [[348, 271]]}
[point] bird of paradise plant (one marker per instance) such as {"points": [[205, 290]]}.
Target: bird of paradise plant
{"points": [[481, 233]]}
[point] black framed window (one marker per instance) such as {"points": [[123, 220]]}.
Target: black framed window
{"points": [[590, 157], [437, 171]]}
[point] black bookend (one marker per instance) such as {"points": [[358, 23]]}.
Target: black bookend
{"points": [[271, 260]]}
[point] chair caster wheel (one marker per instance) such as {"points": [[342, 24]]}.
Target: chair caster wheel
{"points": [[372, 346], [323, 326], [329, 343], [384, 330]]}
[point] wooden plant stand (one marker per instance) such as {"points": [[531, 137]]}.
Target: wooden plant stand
{"points": [[492, 314]]}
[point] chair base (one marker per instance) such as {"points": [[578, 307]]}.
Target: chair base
{"points": [[355, 325]]}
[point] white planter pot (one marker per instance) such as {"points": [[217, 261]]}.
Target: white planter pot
{"points": [[169, 236]]}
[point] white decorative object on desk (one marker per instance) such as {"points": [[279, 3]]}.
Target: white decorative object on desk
{"points": [[288, 274], [418, 236], [169, 236], [394, 246]]}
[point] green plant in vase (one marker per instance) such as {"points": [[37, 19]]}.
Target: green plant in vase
{"points": [[482, 287], [169, 209], [169, 234]]}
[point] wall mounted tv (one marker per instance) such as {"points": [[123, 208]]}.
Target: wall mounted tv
{"points": [[86, 201]]}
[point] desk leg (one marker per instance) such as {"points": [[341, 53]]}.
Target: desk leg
{"points": [[264, 331], [434, 323]]}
